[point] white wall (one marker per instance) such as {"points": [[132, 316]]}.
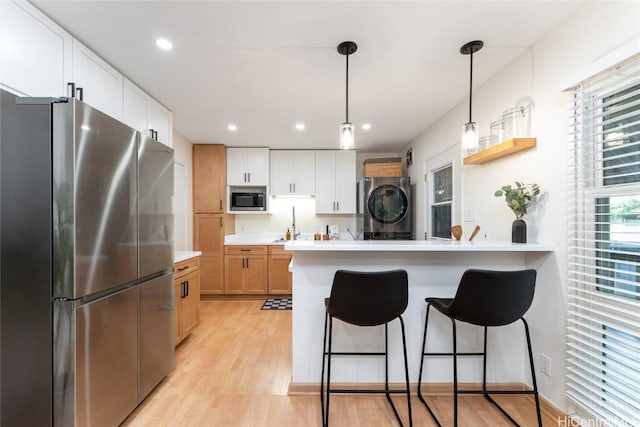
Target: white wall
{"points": [[183, 229], [594, 30]]}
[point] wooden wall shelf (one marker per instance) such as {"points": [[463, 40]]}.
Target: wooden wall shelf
{"points": [[498, 151]]}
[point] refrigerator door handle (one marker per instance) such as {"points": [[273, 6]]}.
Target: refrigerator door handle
{"points": [[80, 93], [71, 89]]}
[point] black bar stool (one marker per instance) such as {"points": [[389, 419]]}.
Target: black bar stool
{"points": [[365, 299], [484, 298]]}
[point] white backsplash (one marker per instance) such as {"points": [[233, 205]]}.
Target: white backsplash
{"points": [[307, 222]]}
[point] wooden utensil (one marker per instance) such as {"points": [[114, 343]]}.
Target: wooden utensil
{"points": [[474, 232], [456, 230]]}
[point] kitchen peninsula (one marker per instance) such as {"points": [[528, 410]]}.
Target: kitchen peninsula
{"points": [[434, 269]]}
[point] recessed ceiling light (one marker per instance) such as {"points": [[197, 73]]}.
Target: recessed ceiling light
{"points": [[300, 126], [232, 127], [366, 126], [164, 44]]}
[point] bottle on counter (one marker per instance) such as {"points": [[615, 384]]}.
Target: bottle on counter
{"points": [[288, 235]]}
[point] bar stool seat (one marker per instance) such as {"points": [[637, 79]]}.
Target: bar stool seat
{"points": [[365, 299], [489, 299]]}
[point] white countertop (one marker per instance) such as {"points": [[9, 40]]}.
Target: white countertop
{"points": [[414, 246], [260, 239], [185, 255]]}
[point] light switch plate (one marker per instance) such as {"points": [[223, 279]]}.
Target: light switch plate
{"points": [[470, 214]]}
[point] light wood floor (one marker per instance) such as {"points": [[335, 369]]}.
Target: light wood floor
{"points": [[235, 370]]}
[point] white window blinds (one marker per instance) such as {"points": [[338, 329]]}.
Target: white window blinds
{"points": [[603, 325]]}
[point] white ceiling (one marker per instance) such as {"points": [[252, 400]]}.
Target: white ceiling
{"points": [[267, 65]]}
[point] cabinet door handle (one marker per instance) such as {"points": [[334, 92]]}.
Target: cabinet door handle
{"points": [[294, 187], [249, 175], [183, 268], [245, 177], [247, 262], [245, 250], [187, 282], [220, 218], [338, 205], [183, 290], [220, 209], [71, 89], [80, 93], [290, 188]]}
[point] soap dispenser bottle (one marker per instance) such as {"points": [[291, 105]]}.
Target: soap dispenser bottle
{"points": [[288, 235]]}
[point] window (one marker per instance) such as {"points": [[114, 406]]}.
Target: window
{"points": [[442, 200], [603, 330]]}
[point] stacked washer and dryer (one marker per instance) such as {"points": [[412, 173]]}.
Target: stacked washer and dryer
{"points": [[385, 205]]}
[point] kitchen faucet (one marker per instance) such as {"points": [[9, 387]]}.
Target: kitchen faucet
{"points": [[293, 226]]}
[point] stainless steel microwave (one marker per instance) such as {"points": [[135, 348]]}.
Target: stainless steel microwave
{"points": [[248, 201]]}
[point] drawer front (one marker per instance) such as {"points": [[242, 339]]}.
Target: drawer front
{"points": [[278, 250], [245, 250], [187, 266]]}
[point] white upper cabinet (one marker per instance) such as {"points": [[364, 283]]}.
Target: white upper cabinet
{"points": [[35, 53], [293, 172], [101, 84], [161, 121], [142, 112], [135, 107], [336, 182], [248, 166]]}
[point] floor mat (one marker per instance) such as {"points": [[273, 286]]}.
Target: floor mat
{"points": [[277, 304]]}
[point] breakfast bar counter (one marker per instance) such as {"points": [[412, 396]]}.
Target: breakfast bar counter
{"points": [[434, 269]]}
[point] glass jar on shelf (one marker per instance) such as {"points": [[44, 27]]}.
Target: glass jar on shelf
{"points": [[496, 130], [516, 122], [485, 142]]}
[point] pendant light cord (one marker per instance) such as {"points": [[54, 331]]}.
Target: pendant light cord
{"points": [[470, 84], [347, 90]]}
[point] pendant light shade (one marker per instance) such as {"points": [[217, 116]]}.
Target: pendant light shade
{"points": [[347, 136], [347, 140], [470, 129]]}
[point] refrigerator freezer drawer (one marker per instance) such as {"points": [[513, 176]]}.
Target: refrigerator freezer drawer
{"points": [[106, 359], [156, 332]]}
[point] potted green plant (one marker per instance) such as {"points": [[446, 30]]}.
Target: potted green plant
{"points": [[519, 198]]}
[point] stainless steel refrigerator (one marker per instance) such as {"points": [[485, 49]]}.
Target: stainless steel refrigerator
{"points": [[86, 264]]}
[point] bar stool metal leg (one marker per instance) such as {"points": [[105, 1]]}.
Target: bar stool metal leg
{"points": [[406, 371], [324, 353], [424, 342], [533, 373], [455, 375]]}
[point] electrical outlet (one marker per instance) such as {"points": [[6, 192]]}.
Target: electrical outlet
{"points": [[545, 367], [485, 235], [243, 229]]}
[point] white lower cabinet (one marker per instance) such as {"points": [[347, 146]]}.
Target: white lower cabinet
{"points": [[335, 182]]}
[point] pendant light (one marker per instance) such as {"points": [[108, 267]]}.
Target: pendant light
{"points": [[470, 129], [347, 137]]}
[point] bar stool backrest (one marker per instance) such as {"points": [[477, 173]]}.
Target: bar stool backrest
{"points": [[493, 298], [368, 298]]}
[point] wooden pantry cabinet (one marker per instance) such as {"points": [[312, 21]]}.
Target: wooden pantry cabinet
{"points": [[210, 223], [209, 178], [209, 231], [279, 274], [187, 297], [245, 270]]}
